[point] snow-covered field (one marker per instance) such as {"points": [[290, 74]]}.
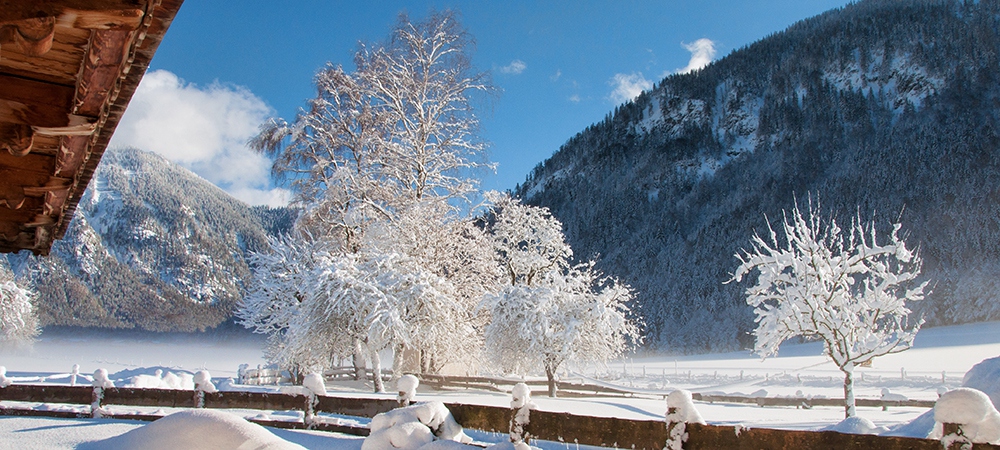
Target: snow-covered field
{"points": [[940, 357]]}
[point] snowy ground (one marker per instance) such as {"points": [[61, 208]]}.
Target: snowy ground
{"points": [[941, 357]]}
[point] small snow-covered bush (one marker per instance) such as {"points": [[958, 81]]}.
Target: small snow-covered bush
{"points": [[413, 427]]}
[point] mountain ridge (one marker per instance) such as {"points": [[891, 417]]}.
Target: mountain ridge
{"points": [[152, 246], [862, 107]]}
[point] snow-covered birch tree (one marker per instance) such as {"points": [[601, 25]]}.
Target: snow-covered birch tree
{"points": [[380, 161], [549, 311], [844, 288]]}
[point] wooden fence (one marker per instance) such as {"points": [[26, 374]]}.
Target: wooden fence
{"points": [[549, 426], [581, 389]]}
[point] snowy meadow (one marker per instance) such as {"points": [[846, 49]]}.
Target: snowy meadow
{"points": [[939, 359]]}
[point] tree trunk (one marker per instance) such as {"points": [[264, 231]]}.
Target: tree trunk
{"points": [[398, 353], [358, 359], [377, 372], [849, 407], [550, 372]]}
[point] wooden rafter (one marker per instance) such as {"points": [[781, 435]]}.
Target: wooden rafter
{"points": [[68, 69]]}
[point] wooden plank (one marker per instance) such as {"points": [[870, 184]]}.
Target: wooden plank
{"points": [[565, 427], [13, 10], [360, 407], [716, 437], [28, 101], [47, 394], [7, 411], [255, 400], [162, 398]]}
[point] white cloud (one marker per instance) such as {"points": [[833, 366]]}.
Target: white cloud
{"points": [[203, 129], [575, 98], [702, 53], [556, 76], [514, 68], [628, 86]]}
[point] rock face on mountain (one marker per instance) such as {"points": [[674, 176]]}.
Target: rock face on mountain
{"points": [[152, 246], [883, 109]]}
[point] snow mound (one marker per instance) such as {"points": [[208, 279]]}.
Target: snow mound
{"points": [[160, 380], [414, 427], [985, 377], [195, 430], [856, 425]]}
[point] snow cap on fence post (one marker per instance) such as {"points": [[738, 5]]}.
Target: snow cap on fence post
{"points": [[4, 381], [314, 382], [966, 415], [406, 385], [203, 382], [101, 379], [75, 373], [680, 412]]}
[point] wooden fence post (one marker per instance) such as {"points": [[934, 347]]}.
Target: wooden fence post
{"points": [[676, 430], [953, 438], [520, 410], [95, 403]]}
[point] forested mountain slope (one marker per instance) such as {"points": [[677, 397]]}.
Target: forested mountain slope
{"points": [[887, 108], [152, 246]]}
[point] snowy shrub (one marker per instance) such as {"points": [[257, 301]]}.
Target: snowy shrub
{"points": [[845, 289], [413, 427], [18, 322]]}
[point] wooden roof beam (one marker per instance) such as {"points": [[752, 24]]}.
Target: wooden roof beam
{"points": [[95, 13]]}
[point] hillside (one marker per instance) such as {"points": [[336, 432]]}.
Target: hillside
{"points": [[152, 246], [887, 109]]}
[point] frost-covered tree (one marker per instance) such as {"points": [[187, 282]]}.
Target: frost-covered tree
{"points": [[381, 161], [843, 288], [18, 322], [277, 290], [550, 312], [400, 129]]}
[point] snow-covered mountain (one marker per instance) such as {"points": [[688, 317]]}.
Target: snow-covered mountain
{"points": [[152, 246], [884, 108]]}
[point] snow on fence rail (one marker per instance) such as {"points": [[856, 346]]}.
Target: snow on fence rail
{"points": [[543, 425]]}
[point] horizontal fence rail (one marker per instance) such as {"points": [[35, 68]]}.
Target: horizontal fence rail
{"points": [[543, 425]]}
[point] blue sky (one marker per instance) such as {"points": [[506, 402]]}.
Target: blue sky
{"points": [[225, 66]]}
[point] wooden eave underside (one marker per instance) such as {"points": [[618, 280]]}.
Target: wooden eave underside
{"points": [[68, 69]]}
